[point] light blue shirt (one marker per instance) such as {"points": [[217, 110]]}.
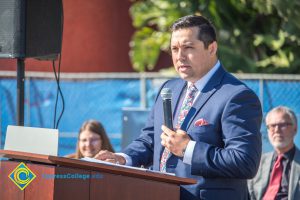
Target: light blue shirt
{"points": [[200, 84]]}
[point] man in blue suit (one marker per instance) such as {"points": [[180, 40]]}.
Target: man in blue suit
{"points": [[217, 138]]}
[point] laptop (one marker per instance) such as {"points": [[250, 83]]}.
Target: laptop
{"points": [[32, 140]]}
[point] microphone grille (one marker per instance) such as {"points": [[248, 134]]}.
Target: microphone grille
{"points": [[166, 93]]}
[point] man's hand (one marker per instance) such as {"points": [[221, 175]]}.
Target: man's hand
{"points": [[110, 157], [176, 142]]}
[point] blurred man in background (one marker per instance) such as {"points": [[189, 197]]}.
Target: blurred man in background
{"points": [[278, 176]]}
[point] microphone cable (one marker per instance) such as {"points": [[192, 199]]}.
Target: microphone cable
{"points": [[58, 93], [57, 76]]}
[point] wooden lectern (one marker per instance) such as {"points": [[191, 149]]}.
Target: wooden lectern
{"points": [[104, 182]]}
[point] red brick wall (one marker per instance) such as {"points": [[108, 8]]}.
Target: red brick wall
{"points": [[96, 38]]}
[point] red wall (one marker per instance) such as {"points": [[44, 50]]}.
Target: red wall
{"points": [[96, 38]]}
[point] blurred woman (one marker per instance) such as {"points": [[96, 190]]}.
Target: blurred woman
{"points": [[91, 139]]}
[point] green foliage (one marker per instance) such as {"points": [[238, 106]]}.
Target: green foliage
{"points": [[253, 35]]}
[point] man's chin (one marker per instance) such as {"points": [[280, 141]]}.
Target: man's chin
{"points": [[186, 77], [280, 144], [183, 76]]}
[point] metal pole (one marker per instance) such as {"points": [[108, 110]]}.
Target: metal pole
{"points": [[143, 91], [27, 94], [20, 91], [261, 93]]}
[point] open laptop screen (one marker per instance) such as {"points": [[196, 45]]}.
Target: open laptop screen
{"points": [[32, 140]]}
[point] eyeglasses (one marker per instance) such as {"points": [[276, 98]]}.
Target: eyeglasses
{"points": [[281, 126], [92, 140]]}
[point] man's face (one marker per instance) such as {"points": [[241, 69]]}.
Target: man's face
{"points": [[190, 58], [281, 131]]}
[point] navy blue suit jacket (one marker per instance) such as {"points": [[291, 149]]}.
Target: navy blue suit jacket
{"points": [[228, 148]]}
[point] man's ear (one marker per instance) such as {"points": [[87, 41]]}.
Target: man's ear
{"points": [[213, 47], [295, 129]]}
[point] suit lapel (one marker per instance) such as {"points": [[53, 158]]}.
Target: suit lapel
{"points": [[209, 89], [294, 176], [265, 174], [177, 92]]}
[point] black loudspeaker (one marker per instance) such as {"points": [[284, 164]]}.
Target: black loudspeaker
{"points": [[31, 28]]}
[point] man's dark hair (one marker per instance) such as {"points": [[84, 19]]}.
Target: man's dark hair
{"points": [[207, 33]]}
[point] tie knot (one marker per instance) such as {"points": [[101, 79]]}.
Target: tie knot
{"points": [[279, 157], [192, 89]]}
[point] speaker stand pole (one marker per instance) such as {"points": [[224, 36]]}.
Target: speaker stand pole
{"points": [[20, 91]]}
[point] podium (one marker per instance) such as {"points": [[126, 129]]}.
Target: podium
{"points": [[60, 178]]}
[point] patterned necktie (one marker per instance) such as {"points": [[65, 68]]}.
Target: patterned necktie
{"points": [[186, 105], [275, 179]]}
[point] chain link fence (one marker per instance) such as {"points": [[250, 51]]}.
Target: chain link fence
{"points": [[103, 96]]}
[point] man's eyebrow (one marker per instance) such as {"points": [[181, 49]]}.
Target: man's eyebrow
{"points": [[188, 43], [184, 43]]}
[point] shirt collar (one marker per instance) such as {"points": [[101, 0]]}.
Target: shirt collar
{"points": [[287, 155], [202, 82]]}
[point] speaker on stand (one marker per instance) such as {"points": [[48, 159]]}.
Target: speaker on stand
{"points": [[29, 29]]}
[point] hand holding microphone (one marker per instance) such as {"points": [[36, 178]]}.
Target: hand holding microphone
{"points": [[175, 142]]}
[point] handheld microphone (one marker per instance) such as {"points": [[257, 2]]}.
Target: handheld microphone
{"points": [[166, 95]]}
